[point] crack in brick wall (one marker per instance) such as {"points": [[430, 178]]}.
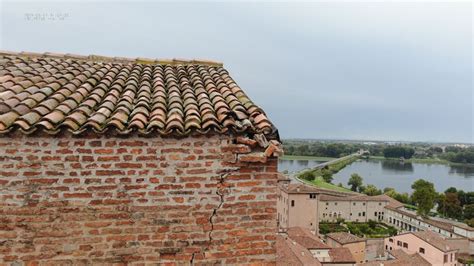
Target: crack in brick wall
{"points": [[126, 200]]}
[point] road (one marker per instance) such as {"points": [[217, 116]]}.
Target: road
{"points": [[294, 179]]}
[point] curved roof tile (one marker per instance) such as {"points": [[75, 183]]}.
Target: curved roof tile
{"points": [[50, 92]]}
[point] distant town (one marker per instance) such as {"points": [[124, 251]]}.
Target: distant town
{"points": [[355, 223]]}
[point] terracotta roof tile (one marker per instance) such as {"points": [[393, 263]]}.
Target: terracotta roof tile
{"points": [[291, 253], [344, 237], [306, 238], [169, 97], [341, 255], [401, 258], [434, 239]]}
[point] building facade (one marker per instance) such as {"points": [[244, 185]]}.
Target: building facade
{"points": [[132, 161], [297, 206], [433, 248], [356, 245], [359, 208]]}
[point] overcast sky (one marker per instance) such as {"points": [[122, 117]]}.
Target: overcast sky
{"points": [[384, 71]]}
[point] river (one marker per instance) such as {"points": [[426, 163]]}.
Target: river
{"points": [[395, 174]]}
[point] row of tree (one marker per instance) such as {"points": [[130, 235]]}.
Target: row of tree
{"points": [[417, 150], [453, 203], [456, 204], [464, 156], [398, 152]]}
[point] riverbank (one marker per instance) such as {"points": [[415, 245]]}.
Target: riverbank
{"points": [[319, 182], [309, 158], [418, 160], [333, 167]]}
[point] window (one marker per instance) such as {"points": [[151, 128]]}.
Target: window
{"points": [[327, 203], [354, 204], [363, 213], [445, 258], [380, 203], [422, 250], [390, 240], [375, 213], [359, 213], [335, 203], [386, 247], [399, 243], [312, 196], [292, 203], [405, 245], [451, 257], [363, 204]]}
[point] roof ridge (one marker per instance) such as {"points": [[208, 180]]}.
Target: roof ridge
{"points": [[116, 59]]}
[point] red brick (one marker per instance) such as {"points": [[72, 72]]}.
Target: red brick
{"points": [[109, 172], [77, 195]]}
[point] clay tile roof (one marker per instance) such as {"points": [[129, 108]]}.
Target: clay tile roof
{"points": [[341, 255], [306, 238], [355, 198], [434, 239], [291, 253], [51, 92], [344, 237], [401, 258], [303, 189]]}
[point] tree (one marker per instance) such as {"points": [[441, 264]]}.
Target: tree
{"points": [[327, 175], [470, 222], [398, 151], [469, 211], [449, 205], [361, 189], [308, 175], [424, 196], [451, 190], [372, 190], [355, 181]]}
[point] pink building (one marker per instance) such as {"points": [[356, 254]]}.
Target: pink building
{"points": [[432, 247], [297, 205]]}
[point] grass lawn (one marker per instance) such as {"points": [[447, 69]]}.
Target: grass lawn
{"points": [[319, 182], [309, 158]]}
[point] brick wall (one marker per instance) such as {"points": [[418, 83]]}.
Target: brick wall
{"points": [[100, 199]]}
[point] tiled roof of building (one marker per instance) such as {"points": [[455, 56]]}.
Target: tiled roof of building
{"points": [[306, 238], [304, 189], [434, 239], [393, 203], [437, 222], [356, 198], [401, 258], [341, 255], [51, 92], [344, 237], [291, 253]]}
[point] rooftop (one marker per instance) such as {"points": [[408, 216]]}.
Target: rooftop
{"points": [[433, 239], [306, 238], [401, 258], [299, 188], [291, 253], [51, 92], [444, 224], [341, 255], [344, 237]]}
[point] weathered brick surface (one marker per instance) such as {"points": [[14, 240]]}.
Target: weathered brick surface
{"points": [[107, 200]]}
